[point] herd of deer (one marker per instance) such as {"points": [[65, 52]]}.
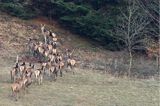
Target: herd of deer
{"points": [[54, 61]]}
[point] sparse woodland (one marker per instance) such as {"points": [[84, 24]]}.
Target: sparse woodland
{"points": [[79, 52], [114, 24]]}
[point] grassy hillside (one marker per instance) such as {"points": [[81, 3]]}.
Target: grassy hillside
{"points": [[85, 88], [88, 87]]}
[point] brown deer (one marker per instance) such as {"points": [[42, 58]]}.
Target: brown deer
{"points": [[22, 68], [54, 39], [29, 71], [44, 67], [51, 57], [43, 30], [54, 51], [54, 71], [50, 47], [61, 66], [53, 35], [39, 76], [71, 63], [17, 87], [14, 72], [46, 53], [28, 82], [54, 44], [41, 49]]}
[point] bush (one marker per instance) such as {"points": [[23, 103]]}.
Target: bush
{"points": [[80, 18], [16, 10]]}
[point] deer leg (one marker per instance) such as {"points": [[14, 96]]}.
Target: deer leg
{"points": [[14, 78], [12, 93], [60, 73], [38, 81], [41, 79], [50, 72], [16, 96], [54, 75], [44, 71], [72, 70], [11, 76], [51, 76]]}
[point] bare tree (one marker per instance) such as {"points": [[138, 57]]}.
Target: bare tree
{"points": [[152, 8], [131, 29]]}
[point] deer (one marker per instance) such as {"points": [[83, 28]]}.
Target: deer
{"points": [[60, 63], [41, 52], [54, 39], [35, 49], [18, 86], [46, 66], [50, 47], [53, 35], [54, 51], [54, 44], [38, 75], [46, 53], [14, 72], [28, 82], [61, 66], [51, 57], [31, 45], [71, 63], [45, 33], [69, 53], [29, 71], [54, 71], [41, 49], [43, 30], [22, 68], [46, 37]]}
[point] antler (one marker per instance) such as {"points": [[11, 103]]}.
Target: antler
{"points": [[72, 51]]}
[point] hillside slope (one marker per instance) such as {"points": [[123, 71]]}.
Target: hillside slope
{"points": [[85, 88], [14, 35]]}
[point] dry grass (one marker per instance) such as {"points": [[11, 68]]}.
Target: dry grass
{"points": [[85, 88]]}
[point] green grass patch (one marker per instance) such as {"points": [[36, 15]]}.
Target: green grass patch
{"points": [[87, 88]]}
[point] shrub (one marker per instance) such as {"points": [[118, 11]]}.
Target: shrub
{"points": [[16, 10]]}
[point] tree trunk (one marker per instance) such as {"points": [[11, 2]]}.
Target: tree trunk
{"points": [[157, 58], [130, 63], [158, 62]]}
